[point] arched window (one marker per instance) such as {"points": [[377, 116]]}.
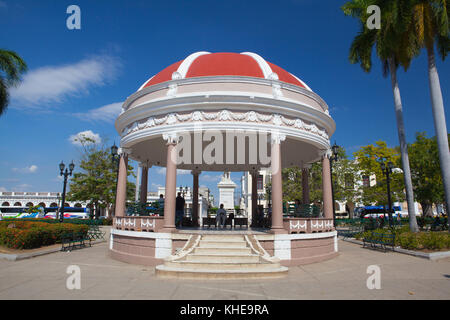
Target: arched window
{"points": [[17, 204], [5, 204], [66, 205], [78, 205], [42, 205], [29, 204], [53, 204]]}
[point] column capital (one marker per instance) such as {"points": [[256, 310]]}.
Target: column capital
{"points": [[326, 153], [196, 171], [254, 171], [306, 166], [171, 137], [276, 137], [124, 151]]}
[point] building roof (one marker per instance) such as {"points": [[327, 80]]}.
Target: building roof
{"points": [[206, 64]]}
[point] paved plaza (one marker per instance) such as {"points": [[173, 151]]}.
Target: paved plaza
{"points": [[345, 277]]}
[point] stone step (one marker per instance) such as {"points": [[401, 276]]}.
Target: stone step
{"points": [[223, 257], [228, 250], [223, 237], [164, 271], [222, 244], [213, 265]]}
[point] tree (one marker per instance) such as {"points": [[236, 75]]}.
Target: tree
{"points": [[425, 171], [342, 169], [96, 182], [344, 177], [11, 67], [396, 44], [431, 24], [368, 163]]}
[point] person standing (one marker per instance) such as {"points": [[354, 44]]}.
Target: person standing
{"points": [[161, 204], [221, 216], [179, 209]]}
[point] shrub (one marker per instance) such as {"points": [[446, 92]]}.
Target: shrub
{"points": [[108, 221], [31, 234], [408, 240]]}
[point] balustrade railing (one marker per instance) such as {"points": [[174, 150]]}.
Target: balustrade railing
{"points": [[148, 224], [308, 225]]}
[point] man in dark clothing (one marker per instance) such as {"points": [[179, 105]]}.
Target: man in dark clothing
{"points": [[179, 210]]}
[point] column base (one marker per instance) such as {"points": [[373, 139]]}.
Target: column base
{"points": [[280, 230], [168, 230]]}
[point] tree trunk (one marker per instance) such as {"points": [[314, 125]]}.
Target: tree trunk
{"points": [[440, 126], [427, 209], [403, 147]]}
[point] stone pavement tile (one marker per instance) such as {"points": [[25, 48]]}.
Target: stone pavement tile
{"points": [[215, 290], [402, 277]]}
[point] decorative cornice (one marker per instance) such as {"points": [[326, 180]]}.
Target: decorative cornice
{"points": [[225, 115], [226, 79]]}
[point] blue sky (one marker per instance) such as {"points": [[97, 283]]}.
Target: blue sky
{"points": [[78, 78]]}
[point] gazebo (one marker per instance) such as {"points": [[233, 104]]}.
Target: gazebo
{"points": [[224, 112]]}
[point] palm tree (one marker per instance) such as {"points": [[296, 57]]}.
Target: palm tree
{"points": [[432, 28], [395, 45], [11, 67]]}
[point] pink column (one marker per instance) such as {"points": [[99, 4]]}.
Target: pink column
{"points": [[254, 195], [305, 186], [121, 191], [326, 188], [144, 183], [171, 183], [277, 185], [195, 174]]}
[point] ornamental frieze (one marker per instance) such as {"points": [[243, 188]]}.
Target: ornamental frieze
{"points": [[225, 115]]}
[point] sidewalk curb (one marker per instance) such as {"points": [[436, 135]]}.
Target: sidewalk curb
{"points": [[23, 256], [424, 255]]}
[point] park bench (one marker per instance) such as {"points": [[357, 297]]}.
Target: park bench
{"points": [[240, 222], [73, 240], [380, 240], [351, 231], [209, 222]]}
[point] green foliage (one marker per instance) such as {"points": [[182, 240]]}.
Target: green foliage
{"points": [[342, 169], [96, 181], [368, 160], [414, 241], [395, 40], [426, 172], [31, 234], [11, 68]]}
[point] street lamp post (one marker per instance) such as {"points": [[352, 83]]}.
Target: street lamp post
{"points": [[65, 173], [387, 171], [115, 159], [334, 157]]}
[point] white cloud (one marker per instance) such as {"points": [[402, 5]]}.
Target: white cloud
{"points": [[31, 169], [80, 136], [3, 189], [107, 113], [52, 84]]}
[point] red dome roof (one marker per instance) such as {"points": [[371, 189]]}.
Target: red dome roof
{"points": [[202, 64]]}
